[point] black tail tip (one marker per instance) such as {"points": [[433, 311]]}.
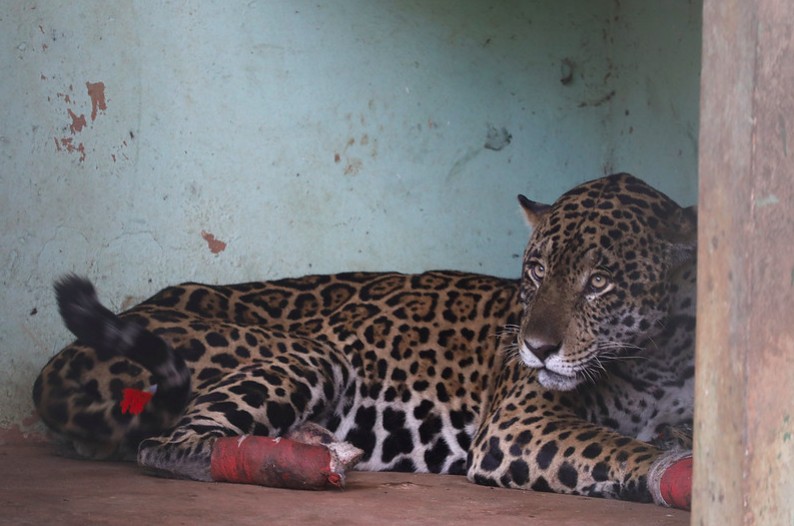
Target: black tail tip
{"points": [[71, 286]]}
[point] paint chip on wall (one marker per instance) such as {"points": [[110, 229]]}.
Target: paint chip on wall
{"points": [[215, 245], [78, 123], [96, 91]]}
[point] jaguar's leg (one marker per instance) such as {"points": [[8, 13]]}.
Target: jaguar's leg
{"points": [[248, 459], [671, 437], [226, 434], [532, 439]]}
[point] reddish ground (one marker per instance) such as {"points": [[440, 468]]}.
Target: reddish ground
{"points": [[39, 488]]}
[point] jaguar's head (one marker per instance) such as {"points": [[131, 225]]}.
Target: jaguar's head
{"points": [[596, 275]]}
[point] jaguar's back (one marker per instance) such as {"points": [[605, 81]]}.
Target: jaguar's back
{"points": [[406, 361]]}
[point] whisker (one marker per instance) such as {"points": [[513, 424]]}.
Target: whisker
{"points": [[511, 352], [506, 334]]}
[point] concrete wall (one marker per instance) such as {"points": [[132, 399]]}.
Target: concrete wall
{"points": [[653, 122], [149, 143]]}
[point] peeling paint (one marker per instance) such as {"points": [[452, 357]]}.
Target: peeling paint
{"points": [[216, 246], [97, 93], [68, 144], [78, 123]]}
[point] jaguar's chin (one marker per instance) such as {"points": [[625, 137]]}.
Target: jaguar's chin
{"points": [[556, 381]]}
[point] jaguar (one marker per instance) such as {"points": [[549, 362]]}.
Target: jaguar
{"points": [[571, 379]]}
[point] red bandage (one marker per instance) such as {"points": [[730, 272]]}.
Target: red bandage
{"points": [[676, 484], [273, 462]]}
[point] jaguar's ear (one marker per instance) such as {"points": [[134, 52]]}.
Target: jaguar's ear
{"points": [[681, 231], [533, 211]]}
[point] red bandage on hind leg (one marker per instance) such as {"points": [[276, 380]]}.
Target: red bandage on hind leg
{"points": [[274, 462]]}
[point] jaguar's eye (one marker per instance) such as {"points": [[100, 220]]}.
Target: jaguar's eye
{"points": [[537, 270], [599, 282]]}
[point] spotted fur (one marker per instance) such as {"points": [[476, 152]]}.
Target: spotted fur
{"points": [[558, 381]]}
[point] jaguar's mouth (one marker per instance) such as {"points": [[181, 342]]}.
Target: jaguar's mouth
{"points": [[556, 381], [547, 376]]}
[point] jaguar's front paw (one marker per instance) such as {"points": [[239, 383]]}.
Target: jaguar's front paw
{"points": [[670, 480]]}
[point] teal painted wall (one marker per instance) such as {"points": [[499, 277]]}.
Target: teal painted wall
{"points": [[653, 119], [149, 143]]}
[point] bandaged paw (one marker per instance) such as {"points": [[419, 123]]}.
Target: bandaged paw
{"points": [[670, 480]]}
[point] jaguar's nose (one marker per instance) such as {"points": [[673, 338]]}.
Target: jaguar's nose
{"points": [[541, 349]]}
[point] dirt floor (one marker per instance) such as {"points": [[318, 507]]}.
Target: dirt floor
{"points": [[39, 488]]}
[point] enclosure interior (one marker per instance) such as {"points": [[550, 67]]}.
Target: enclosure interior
{"points": [[145, 144]]}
